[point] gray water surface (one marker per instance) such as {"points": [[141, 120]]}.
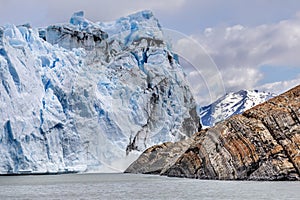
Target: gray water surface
{"points": [[131, 186]]}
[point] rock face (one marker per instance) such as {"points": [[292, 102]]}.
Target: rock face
{"points": [[158, 157], [83, 95], [262, 143]]}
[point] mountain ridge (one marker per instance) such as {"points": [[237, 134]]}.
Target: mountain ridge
{"points": [[231, 104]]}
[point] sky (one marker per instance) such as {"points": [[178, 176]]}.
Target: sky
{"points": [[225, 45]]}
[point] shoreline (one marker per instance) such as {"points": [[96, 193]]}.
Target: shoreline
{"points": [[39, 173]]}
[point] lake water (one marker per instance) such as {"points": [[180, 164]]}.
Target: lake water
{"points": [[131, 186]]}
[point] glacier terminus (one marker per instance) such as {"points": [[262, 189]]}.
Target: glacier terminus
{"points": [[89, 96]]}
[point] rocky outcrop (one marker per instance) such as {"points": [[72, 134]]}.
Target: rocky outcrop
{"points": [[263, 143], [158, 156]]}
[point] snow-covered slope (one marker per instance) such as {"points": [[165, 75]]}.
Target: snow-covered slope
{"points": [[86, 96], [231, 104]]}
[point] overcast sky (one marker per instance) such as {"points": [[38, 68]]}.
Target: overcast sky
{"points": [[253, 44]]}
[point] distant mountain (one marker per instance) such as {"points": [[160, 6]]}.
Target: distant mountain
{"points": [[231, 104]]}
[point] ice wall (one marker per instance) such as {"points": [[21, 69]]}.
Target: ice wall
{"points": [[87, 96]]}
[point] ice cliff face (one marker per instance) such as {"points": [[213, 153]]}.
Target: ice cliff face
{"points": [[230, 104], [80, 96]]}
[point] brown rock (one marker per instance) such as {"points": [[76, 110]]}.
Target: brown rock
{"points": [[158, 158], [263, 143]]}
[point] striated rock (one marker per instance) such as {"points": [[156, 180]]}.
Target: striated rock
{"points": [[263, 143], [158, 157]]}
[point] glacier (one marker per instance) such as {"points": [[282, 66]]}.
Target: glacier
{"points": [[89, 96], [230, 104]]}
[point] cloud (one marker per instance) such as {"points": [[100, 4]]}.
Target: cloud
{"points": [[202, 73], [241, 52], [280, 86]]}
